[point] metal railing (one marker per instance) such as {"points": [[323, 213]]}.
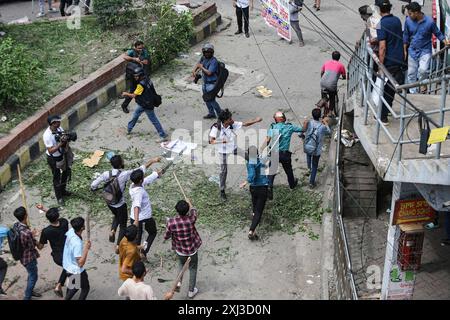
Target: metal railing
{"points": [[338, 205], [361, 80]]}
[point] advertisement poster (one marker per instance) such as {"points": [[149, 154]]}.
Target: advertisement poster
{"points": [[412, 211], [401, 284], [276, 14]]}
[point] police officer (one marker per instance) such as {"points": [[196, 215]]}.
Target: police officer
{"points": [[136, 57], [146, 99], [280, 133], [59, 156]]}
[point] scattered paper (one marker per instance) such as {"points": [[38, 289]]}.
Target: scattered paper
{"points": [[263, 91], [94, 159], [177, 146], [309, 282]]}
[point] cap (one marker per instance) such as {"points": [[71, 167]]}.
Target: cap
{"points": [[53, 118], [208, 46]]}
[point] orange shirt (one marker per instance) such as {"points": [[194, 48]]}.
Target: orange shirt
{"points": [[128, 255]]}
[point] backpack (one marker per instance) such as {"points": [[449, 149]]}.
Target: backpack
{"points": [[15, 245], [222, 76], [311, 142], [111, 190]]}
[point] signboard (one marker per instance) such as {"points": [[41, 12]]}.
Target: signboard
{"points": [[415, 210], [276, 14], [401, 284]]}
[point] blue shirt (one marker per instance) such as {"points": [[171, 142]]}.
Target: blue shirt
{"points": [[322, 130], [255, 174], [418, 36], [213, 66], [285, 130], [390, 30], [73, 249]]}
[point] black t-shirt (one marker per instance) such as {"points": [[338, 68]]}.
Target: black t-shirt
{"points": [[56, 236]]}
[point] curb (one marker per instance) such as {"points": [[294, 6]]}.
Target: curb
{"points": [[34, 146]]}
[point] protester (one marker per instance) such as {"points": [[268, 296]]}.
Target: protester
{"points": [[118, 209], [146, 100], [371, 16], [55, 234], [330, 73], [135, 288], [185, 240], [136, 57], [223, 134], [259, 183], [312, 145], [29, 254], [294, 9], [128, 253], [3, 269], [209, 67], [141, 207], [242, 9], [42, 8], [417, 38], [86, 4], [59, 156], [390, 37], [74, 258], [63, 5]]}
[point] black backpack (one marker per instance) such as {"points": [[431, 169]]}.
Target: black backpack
{"points": [[15, 245], [111, 190], [222, 76]]}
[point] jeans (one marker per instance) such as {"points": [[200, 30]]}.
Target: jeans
{"points": [[296, 26], [418, 70], [313, 164], [389, 90], [212, 105], [119, 220], [192, 269], [32, 278], [259, 197], [286, 162], [3, 268], [62, 6], [239, 13], [42, 5], [151, 116], [83, 283], [59, 179], [149, 226]]}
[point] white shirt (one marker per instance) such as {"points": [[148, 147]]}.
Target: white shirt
{"points": [[242, 3], [139, 198], [123, 179], [228, 135], [136, 290], [73, 249], [50, 141]]}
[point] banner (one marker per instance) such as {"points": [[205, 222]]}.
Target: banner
{"points": [[414, 210], [276, 14]]}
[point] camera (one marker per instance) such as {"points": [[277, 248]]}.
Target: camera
{"points": [[198, 76], [66, 136]]}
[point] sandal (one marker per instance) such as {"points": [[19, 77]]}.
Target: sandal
{"points": [[112, 236], [59, 293]]}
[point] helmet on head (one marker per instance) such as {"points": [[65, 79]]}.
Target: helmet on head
{"points": [[279, 116], [208, 47], [138, 72]]}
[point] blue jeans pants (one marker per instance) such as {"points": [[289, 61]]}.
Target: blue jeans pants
{"points": [[313, 164], [213, 106], [418, 70], [151, 116], [32, 278]]}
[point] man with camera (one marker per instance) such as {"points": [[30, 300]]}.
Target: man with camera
{"points": [[209, 68], [59, 155]]}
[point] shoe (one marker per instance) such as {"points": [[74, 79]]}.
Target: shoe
{"points": [[301, 44], [162, 139], [312, 185], [117, 250], [270, 193], [317, 9], [209, 116], [295, 184], [385, 122], [252, 235], [445, 242], [2, 292], [52, 10], [178, 287], [247, 35], [40, 15], [128, 133], [431, 226], [238, 32], [223, 196], [125, 109], [87, 12], [35, 294], [423, 89], [59, 293], [192, 294], [314, 6], [67, 193], [60, 201], [112, 237]]}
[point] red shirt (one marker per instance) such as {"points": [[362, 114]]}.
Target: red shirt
{"points": [[185, 238]]}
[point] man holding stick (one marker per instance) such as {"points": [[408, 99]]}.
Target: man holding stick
{"points": [[185, 240]]}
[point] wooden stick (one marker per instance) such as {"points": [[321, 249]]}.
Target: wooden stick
{"points": [[88, 226], [12, 283], [22, 191], [182, 191], [180, 275]]}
